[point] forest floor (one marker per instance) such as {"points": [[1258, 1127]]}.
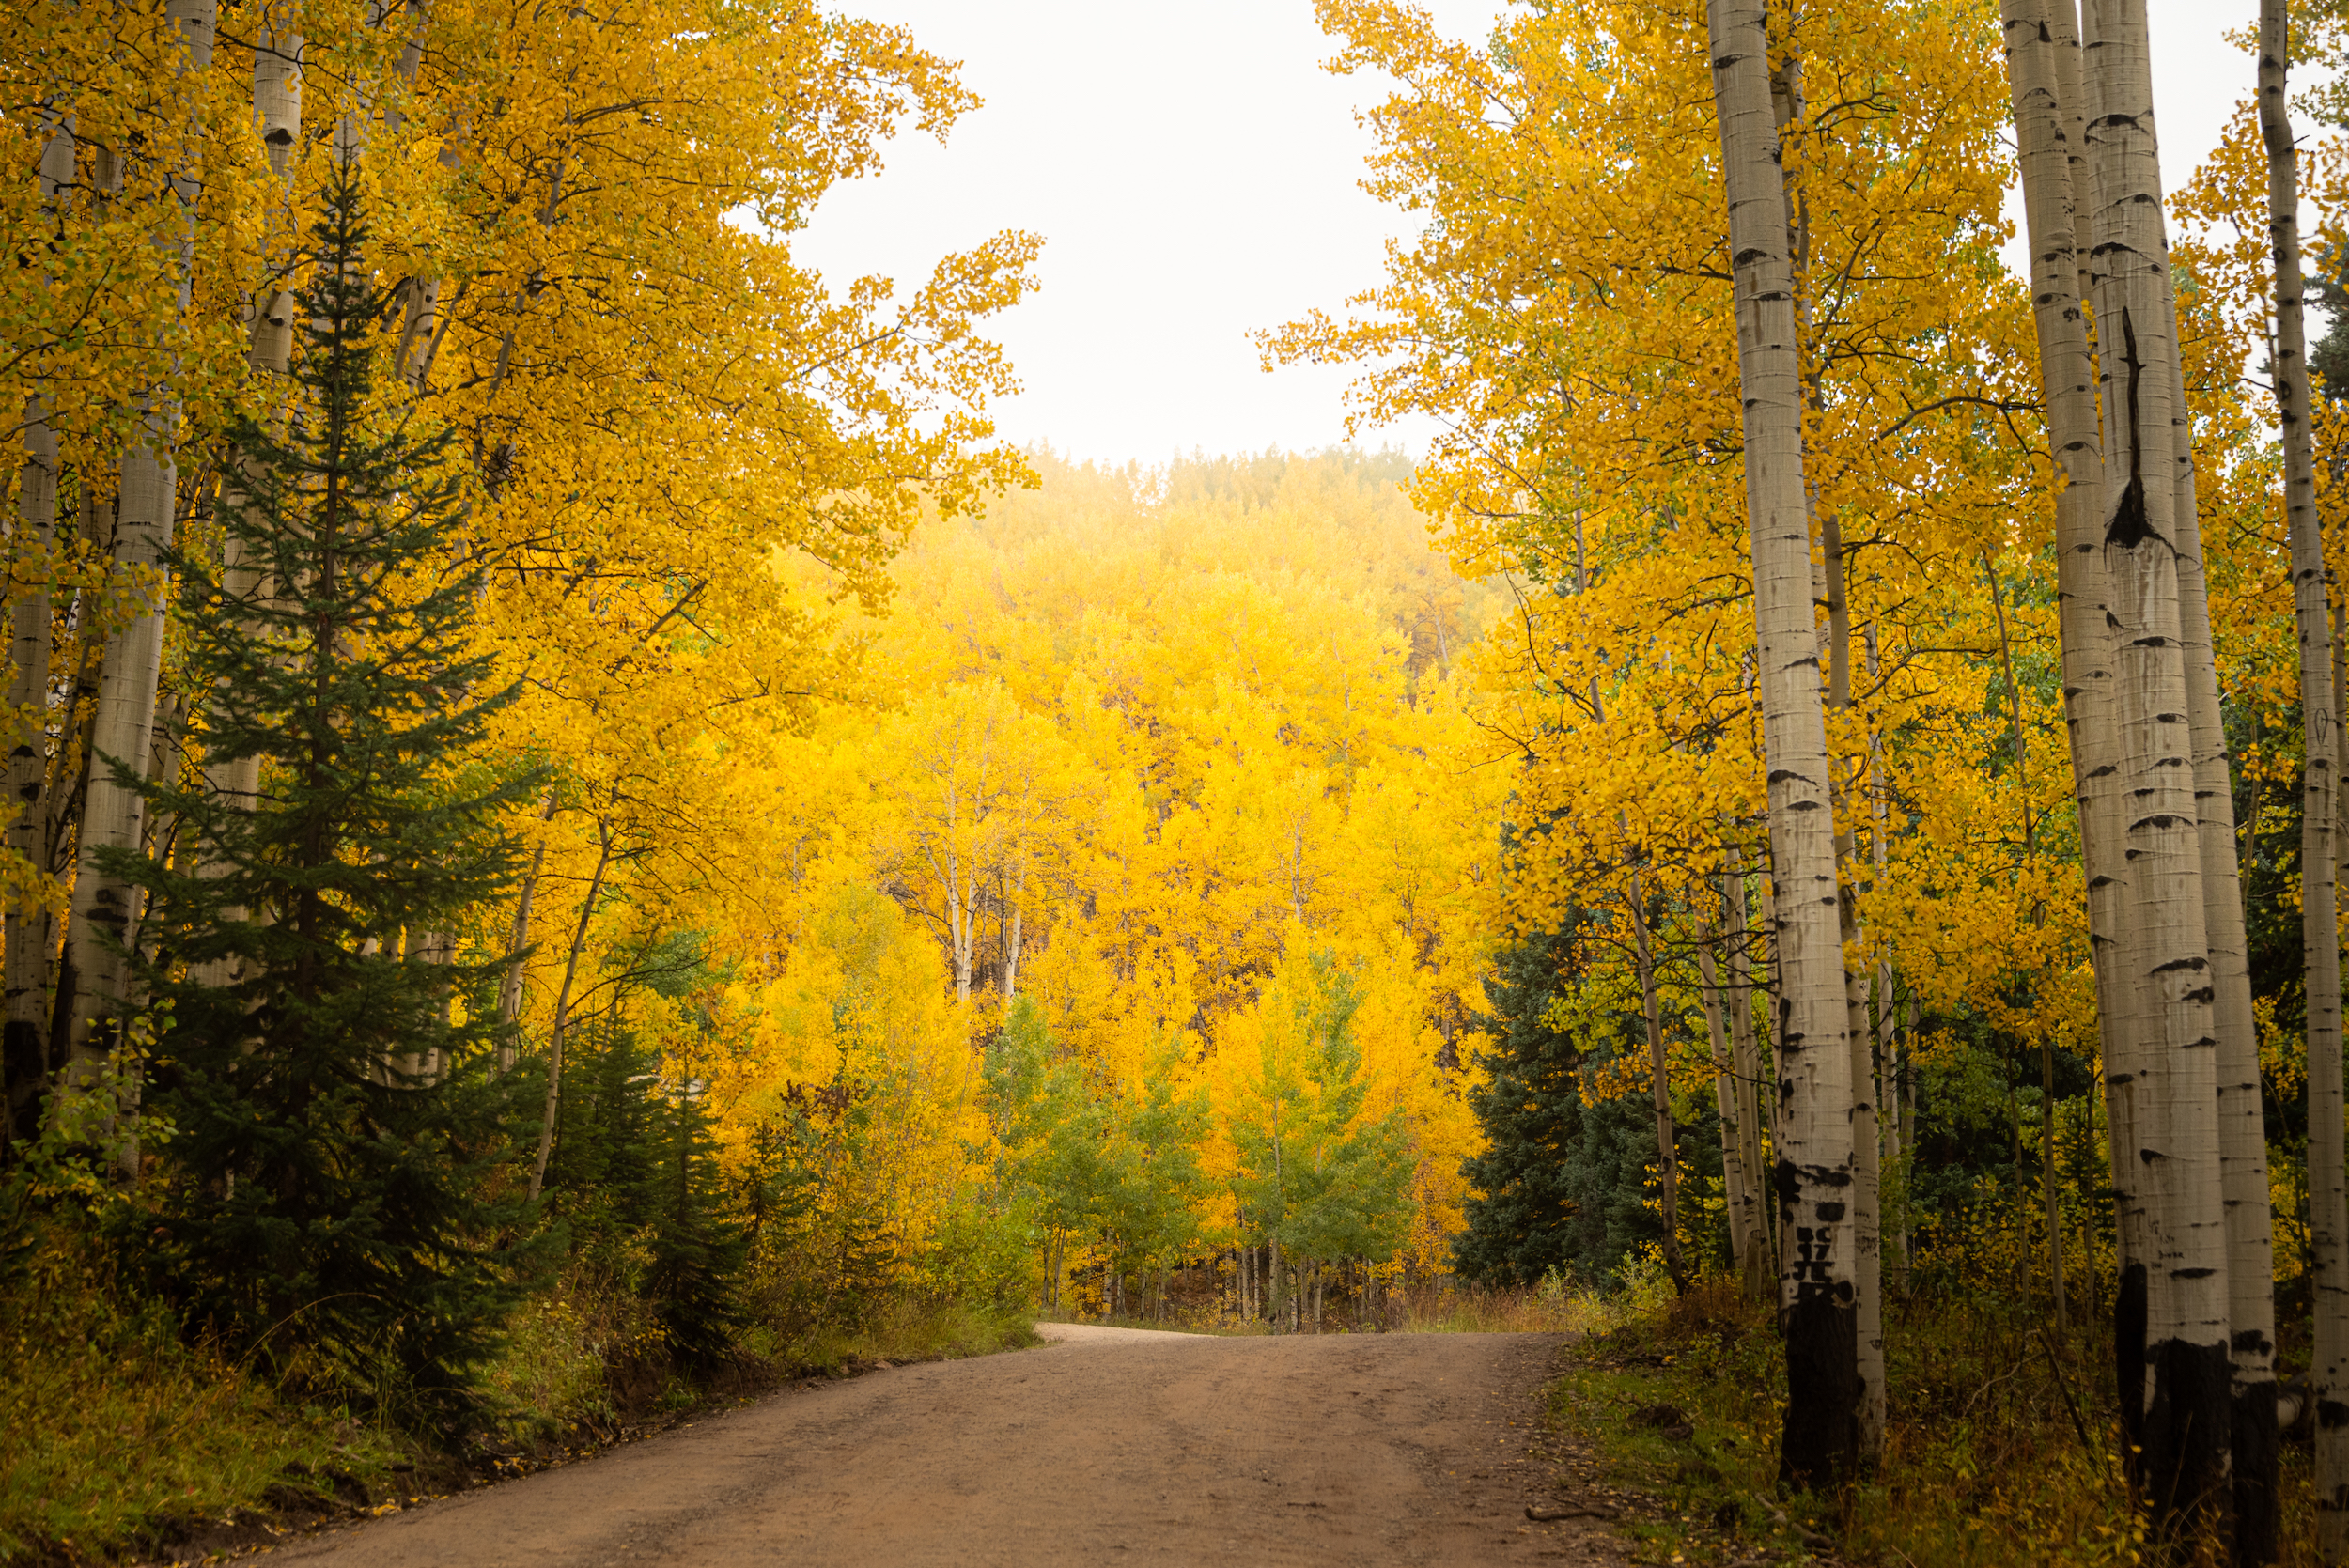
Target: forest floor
{"points": [[1309, 1448]]}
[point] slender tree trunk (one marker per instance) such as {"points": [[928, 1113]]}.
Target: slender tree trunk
{"points": [[24, 1062], [1737, 1191], [1880, 1018], [2055, 1284], [2242, 1123], [510, 987], [1867, 1157], [112, 813], [1012, 942], [1893, 1246], [277, 114], [562, 1007], [1833, 582], [1907, 1094], [1815, 1173], [2250, 1264], [2164, 940], [2237, 1106], [1760, 1263], [1659, 1090], [2042, 66], [962, 898]]}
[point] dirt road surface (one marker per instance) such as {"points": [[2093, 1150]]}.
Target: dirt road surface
{"points": [[1108, 1447]]}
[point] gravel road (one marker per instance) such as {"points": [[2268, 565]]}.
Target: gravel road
{"points": [[1110, 1446]]}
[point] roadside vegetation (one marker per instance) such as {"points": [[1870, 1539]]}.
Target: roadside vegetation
{"points": [[127, 1439], [2003, 1440]]}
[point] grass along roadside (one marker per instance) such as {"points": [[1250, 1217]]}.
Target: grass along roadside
{"points": [[125, 1445], [2000, 1443]]}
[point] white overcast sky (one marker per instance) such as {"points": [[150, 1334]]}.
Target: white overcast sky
{"points": [[1193, 172]]}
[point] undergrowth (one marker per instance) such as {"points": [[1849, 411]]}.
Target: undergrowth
{"points": [[1416, 1304], [1555, 1306], [2001, 1440], [123, 1440], [121, 1437]]}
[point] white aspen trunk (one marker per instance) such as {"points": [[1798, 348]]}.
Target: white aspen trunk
{"points": [[962, 898], [1736, 1190], [1814, 1170], [24, 1037], [113, 816], [277, 115], [562, 1007], [2250, 1262], [2249, 1331], [1011, 943], [1881, 1016], [2043, 65], [1660, 1090], [1831, 583], [2066, 81], [2164, 941], [1867, 1167], [1893, 1246]]}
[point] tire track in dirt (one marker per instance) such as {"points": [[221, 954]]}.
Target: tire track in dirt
{"points": [[1114, 1445]]}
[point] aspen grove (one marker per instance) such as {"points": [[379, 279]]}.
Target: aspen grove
{"points": [[585, 836]]}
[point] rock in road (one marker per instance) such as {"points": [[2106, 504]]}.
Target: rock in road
{"points": [[1110, 1446]]}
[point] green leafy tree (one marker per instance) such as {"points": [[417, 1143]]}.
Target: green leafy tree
{"points": [[1317, 1179], [1150, 1209]]}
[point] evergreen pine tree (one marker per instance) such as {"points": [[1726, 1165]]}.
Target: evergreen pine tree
{"points": [[334, 1125], [1524, 1206], [699, 1245]]}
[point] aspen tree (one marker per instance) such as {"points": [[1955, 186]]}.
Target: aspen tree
{"points": [[2241, 1121], [1833, 584], [1760, 1261], [277, 53], [1880, 1030], [1867, 1145], [103, 913], [2047, 124], [2249, 1243], [1814, 1171], [2164, 942], [1660, 1087], [1730, 1097], [24, 1042], [2251, 1328]]}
